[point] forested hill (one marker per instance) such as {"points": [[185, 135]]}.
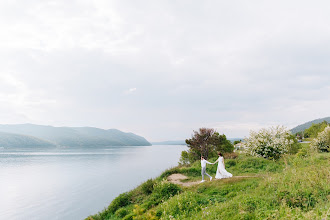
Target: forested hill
{"points": [[306, 125], [8, 140], [72, 136]]}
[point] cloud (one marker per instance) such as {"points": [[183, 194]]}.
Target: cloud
{"points": [[241, 64], [130, 91]]}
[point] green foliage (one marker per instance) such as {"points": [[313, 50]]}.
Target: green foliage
{"points": [[237, 142], [165, 189], [322, 142], [186, 158], [185, 205], [294, 187], [295, 146], [205, 142], [148, 186], [122, 200], [121, 213], [169, 172], [313, 130], [243, 165], [302, 127]]}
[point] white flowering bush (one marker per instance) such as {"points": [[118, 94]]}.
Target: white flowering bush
{"points": [[322, 142], [269, 143]]}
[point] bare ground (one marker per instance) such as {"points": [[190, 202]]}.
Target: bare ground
{"points": [[177, 177]]}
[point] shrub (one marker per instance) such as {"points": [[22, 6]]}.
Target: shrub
{"points": [[322, 142], [148, 186], [122, 212], [269, 143], [186, 158], [231, 163], [122, 200], [165, 189]]}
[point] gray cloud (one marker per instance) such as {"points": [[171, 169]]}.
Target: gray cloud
{"points": [[162, 69]]}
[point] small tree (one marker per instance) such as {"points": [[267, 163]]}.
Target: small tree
{"points": [[269, 143], [315, 129], [206, 142], [322, 142]]}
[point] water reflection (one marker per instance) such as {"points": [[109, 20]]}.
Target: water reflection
{"points": [[74, 183]]}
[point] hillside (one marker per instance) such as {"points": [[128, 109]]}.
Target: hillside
{"points": [[306, 125], [76, 136], [182, 142], [8, 140], [260, 189]]}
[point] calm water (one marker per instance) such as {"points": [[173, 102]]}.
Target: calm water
{"points": [[72, 184]]}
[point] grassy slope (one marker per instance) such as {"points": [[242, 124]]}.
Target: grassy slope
{"points": [[292, 188]]}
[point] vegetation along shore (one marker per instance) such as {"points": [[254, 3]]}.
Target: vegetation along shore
{"points": [[275, 177]]}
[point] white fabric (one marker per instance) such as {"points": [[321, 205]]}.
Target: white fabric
{"points": [[204, 162], [221, 171]]}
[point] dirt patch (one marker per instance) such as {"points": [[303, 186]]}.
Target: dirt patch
{"points": [[177, 177]]}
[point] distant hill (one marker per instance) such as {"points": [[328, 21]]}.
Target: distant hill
{"points": [[180, 142], [183, 142], [306, 125], [8, 140], [76, 136]]}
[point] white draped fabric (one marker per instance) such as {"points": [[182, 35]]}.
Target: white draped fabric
{"points": [[221, 171]]}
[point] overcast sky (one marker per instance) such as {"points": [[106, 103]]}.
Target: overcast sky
{"points": [[162, 69]]}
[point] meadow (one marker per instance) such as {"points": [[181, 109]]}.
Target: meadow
{"points": [[293, 187]]}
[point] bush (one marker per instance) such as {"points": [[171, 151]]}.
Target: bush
{"points": [[295, 146], [322, 142], [122, 212], [148, 186], [269, 143], [165, 189], [122, 200], [186, 158]]}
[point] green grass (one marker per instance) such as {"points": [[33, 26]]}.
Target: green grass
{"points": [[295, 187]]}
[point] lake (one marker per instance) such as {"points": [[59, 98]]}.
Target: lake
{"points": [[75, 183]]}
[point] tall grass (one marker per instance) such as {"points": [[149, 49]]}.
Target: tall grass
{"points": [[295, 187]]}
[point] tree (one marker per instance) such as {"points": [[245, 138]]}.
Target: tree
{"points": [[315, 129], [205, 142]]}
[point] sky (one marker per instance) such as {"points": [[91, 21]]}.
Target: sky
{"points": [[161, 69]]}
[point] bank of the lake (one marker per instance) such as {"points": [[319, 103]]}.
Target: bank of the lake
{"points": [[294, 187], [74, 183]]}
